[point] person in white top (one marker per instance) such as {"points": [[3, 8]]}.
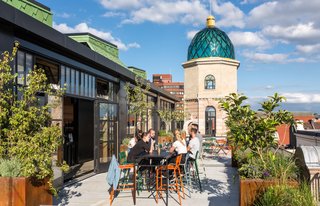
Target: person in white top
{"points": [[194, 144], [179, 146], [133, 141]]}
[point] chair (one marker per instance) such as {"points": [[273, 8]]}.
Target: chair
{"points": [[221, 145], [178, 183], [196, 176], [124, 183], [186, 173]]}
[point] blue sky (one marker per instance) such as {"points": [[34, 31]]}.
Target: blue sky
{"points": [[277, 42]]}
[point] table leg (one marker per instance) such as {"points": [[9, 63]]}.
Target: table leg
{"points": [[167, 189], [134, 185]]}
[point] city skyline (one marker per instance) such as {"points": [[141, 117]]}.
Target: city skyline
{"points": [[275, 41]]}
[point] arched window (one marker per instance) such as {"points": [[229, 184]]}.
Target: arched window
{"points": [[209, 82], [210, 121]]}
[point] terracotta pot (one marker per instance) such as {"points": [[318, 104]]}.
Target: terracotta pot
{"points": [[22, 191], [251, 188]]}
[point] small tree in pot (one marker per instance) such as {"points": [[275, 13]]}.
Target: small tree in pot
{"points": [[26, 133]]}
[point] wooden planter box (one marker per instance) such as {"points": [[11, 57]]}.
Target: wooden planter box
{"points": [[20, 191], [251, 188]]}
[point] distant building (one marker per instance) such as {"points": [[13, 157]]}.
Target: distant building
{"points": [[165, 82], [210, 74]]}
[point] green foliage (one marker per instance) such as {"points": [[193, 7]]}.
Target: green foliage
{"points": [[137, 98], [249, 129], [126, 141], [162, 133], [285, 195], [26, 130], [10, 168], [269, 166]]}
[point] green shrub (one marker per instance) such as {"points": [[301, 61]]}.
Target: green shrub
{"points": [[269, 166], [284, 195], [162, 133], [10, 168]]}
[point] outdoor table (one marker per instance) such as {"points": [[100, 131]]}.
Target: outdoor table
{"points": [[155, 158]]}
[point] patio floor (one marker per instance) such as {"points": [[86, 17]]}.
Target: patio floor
{"points": [[221, 188]]}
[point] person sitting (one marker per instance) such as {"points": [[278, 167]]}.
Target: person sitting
{"points": [[178, 147], [134, 140], [194, 144], [139, 149]]}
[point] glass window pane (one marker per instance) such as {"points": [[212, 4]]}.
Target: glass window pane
{"points": [[62, 76], [90, 86], [86, 80], [68, 79], [21, 61], [94, 87], [77, 83], [82, 84], [72, 82], [28, 64]]}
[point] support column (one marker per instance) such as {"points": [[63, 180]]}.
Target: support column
{"points": [[123, 116]]}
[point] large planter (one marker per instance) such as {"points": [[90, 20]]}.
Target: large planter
{"points": [[251, 188], [21, 191]]}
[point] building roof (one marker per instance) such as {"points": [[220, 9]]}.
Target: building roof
{"points": [[26, 27], [211, 42]]}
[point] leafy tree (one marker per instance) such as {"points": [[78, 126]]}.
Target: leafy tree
{"points": [[26, 132], [253, 130], [137, 99], [167, 115]]}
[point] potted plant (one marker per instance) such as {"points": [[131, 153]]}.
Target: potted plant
{"points": [[251, 135], [27, 138], [124, 144]]}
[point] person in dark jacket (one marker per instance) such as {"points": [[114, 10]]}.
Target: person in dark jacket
{"points": [[140, 148]]}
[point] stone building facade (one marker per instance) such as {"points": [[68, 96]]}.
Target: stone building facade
{"points": [[210, 74]]}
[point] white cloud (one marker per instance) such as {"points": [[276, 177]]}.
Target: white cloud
{"points": [[284, 12], [269, 87], [267, 58], [308, 49], [166, 12], [121, 4], [302, 98], [113, 14], [248, 39], [230, 15], [190, 34], [302, 33], [83, 27]]}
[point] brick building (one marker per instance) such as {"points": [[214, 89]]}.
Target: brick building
{"points": [[165, 82]]}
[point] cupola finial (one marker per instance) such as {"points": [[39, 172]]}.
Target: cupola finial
{"points": [[211, 21]]}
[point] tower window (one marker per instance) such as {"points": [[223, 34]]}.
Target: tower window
{"points": [[209, 82]]}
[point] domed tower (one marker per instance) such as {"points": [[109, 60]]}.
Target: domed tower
{"points": [[210, 74]]}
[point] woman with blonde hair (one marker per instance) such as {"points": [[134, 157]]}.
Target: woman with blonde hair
{"points": [[179, 146]]}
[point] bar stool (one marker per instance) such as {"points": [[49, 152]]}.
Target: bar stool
{"points": [[178, 183], [124, 183], [186, 173], [196, 176]]}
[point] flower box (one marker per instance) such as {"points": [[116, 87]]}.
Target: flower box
{"points": [[21, 191], [251, 188]]}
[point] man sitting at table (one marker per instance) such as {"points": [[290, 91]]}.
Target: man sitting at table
{"points": [[178, 147], [194, 144], [151, 139], [140, 148]]}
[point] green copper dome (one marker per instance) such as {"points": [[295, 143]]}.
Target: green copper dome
{"points": [[210, 42]]}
